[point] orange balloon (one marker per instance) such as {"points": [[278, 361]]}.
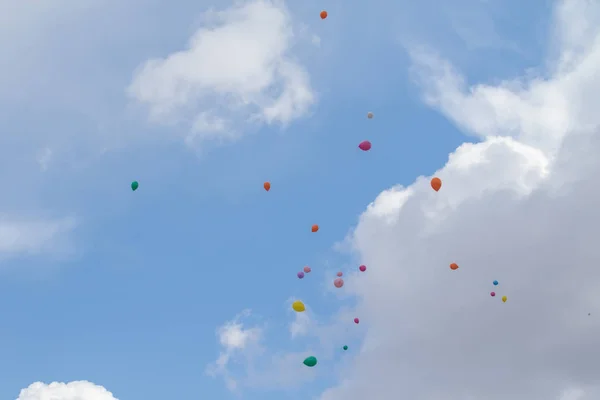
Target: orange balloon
{"points": [[267, 186], [323, 14], [453, 266], [315, 228], [436, 184]]}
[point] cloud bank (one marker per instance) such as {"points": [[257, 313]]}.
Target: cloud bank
{"points": [[520, 208]]}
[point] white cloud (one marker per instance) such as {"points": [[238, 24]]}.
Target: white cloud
{"points": [[237, 69], [235, 340], [34, 236], [78, 390], [246, 362], [520, 207]]}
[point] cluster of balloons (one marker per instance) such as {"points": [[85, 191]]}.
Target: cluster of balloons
{"points": [[493, 294], [298, 306], [305, 270], [338, 282], [366, 145]]}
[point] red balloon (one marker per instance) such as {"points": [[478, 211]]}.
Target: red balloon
{"points": [[356, 321], [365, 146]]}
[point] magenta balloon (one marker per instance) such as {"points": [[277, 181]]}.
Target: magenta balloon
{"points": [[340, 274], [365, 146], [356, 321], [307, 269], [300, 274], [493, 294], [362, 268], [338, 283]]}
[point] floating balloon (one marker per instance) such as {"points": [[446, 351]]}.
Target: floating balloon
{"points": [[362, 268], [323, 14], [307, 269], [310, 361], [369, 115], [356, 320], [267, 186], [298, 306], [493, 294], [340, 274], [453, 266], [345, 347], [504, 298], [314, 228], [300, 274], [134, 185], [338, 283], [365, 146], [436, 184], [495, 283]]}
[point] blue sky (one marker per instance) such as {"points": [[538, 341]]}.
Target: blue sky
{"points": [[127, 289]]}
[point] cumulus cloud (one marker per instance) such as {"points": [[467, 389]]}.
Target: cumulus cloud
{"points": [[77, 390], [521, 208], [238, 68]]}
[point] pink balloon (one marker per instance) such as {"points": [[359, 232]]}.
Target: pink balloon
{"points": [[340, 274], [307, 269], [338, 283], [362, 268], [493, 294], [300, 274], [356, 321], [365, 146]]}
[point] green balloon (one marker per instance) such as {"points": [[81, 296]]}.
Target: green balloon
{"points": [[134, 185], [310, 361], [345, 347]]}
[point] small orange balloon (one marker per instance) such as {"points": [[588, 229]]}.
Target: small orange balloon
{"points": [[453, 266], [436, 184], [323, 14], [315, 228], [267, 186]]}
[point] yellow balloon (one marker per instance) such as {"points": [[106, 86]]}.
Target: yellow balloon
{"points": [[298, 306], [504, 298]]}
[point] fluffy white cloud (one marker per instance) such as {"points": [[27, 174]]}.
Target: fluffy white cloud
{"points": [[520, 207], [78, 390], [238, 68]]}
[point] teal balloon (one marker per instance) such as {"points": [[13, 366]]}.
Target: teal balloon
{"points": [[345, 347], [310, 361], [134, 185]]}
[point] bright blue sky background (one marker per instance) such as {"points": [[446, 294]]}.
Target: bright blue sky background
{"points": [[153, 273]]}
